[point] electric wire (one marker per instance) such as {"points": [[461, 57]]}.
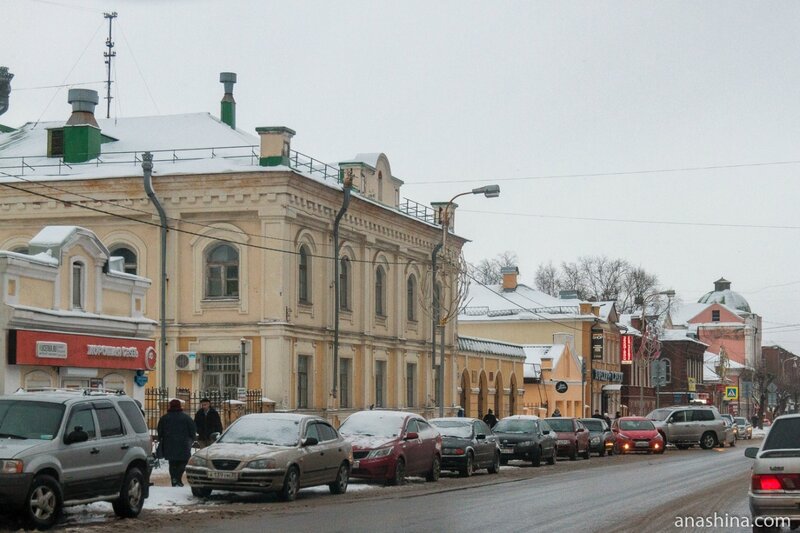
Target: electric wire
{"points": [[138, 68], [56, 86]]}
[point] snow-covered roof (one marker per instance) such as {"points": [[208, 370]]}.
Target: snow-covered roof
{"points": [[667, 335], [711, 362], [489, 346], [491, 303], [370, 159], [534, 353], [729, 298], [625, 320], [681, 314]]}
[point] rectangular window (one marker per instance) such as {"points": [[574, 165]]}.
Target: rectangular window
{"points": [[221, 372], [77, 286], [302, 381], [411, 393], [715, 315], [344, 382], [380, 383], [232, 280]]}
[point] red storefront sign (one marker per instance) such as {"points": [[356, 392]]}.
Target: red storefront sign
{"points": [[626, 349], [47, 348]]}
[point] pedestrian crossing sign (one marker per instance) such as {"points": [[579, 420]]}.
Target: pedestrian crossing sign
{"points": [[731, 393]]}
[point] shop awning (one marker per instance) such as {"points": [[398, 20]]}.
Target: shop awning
{"points": [[612, 387]]}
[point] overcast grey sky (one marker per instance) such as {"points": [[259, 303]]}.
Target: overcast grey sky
{"points": [[460, 94]]}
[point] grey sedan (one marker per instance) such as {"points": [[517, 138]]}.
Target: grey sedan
{"points": [[273, 453]]}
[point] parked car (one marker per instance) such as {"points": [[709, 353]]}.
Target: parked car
{"points": [[601, 438], [637, 434], [389, 445], [686, 425], [467, 445], [776, 470], [745, 427], [573, 437], [66, 448], [526, 437], [732, 423], [272, 452]]}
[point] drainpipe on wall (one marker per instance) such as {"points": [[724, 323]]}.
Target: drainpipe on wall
{"points": [[347, 184], [147, 168], [435, 315]]}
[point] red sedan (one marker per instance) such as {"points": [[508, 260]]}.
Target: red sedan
{"points": [[637, 434], [573, 437]]}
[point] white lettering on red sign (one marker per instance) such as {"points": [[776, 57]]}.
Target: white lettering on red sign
{"points": [[112, 351]]}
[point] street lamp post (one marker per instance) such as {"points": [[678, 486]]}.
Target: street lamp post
{"points": [[642, 371], [489, 191]]}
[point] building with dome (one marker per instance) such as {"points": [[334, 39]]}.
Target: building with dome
{"points": [[723, 294]]}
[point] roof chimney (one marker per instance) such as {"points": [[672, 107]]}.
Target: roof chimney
{"points": [[83, 103], [5, 88], [722, 284], [510, 274], [81, 132], [276, 144], [228, 104]]}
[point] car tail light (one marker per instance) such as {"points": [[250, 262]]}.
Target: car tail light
{"points": [[770, 482]]}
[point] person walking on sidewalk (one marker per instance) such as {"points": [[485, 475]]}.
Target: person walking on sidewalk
{"points": [[208, 422], [176, 434]]}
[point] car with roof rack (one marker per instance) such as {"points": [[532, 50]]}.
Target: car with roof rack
{"points": [[60, 448]]}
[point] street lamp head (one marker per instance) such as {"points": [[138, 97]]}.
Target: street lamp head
{"points": [[489, 191], [669, 293]]}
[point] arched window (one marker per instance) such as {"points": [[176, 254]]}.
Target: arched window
{"points": [[78, 272], [20, 250], [38, 380], [304, 288], [222, 272], [380, 292], [668, 370], [411, 298], [344, 284], [129, 257]]}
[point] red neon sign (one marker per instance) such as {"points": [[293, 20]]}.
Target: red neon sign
{"points": [[626, 349]]}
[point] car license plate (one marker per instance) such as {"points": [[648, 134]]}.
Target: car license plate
{"points": [[563, 442], [507, 450], [214, 474], [355, 464], [642, 444]]}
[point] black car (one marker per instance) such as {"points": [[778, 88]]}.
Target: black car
{"points": [[467, 445], [601, 438], [526, 437]]}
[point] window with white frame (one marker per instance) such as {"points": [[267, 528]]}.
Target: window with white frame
{"points": [[128, 256], [668, 370], [78, 282], [222, 272]]}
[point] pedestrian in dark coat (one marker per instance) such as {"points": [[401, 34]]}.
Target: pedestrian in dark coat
{"points": [[207, 421], [490, 419], [176, 434]]}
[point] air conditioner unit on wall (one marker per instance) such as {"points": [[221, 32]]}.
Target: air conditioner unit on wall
{"points": [[186, 361]]}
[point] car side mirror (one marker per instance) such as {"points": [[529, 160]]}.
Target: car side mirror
{"points": [[76, 435], [752, 453], [310, 441], [215, 436], [615, 430], [411, 435], [480, 436], [580, 430], [545, 432]]}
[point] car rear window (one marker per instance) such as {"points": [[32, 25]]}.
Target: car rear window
{"points": [[134, 416], [515, 426], [783, 434], [593, 425], [561, 425]]}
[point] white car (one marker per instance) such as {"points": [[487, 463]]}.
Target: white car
{"points": [[775, 481]]}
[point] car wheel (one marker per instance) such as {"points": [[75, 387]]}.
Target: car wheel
{"points": [[291, 484], [495, 466], [131, 497], [552, 459], [201, 492], [339, 485], [436, 469], [469, 466], [536, 457], [44, 502], [399, 473], [708, 440]]}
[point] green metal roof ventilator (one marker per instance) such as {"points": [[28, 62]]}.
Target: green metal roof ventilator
{"points": [[81, 133], [228, 104]]}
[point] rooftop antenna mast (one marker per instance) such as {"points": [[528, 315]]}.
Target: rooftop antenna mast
{"points": [[111, 54]]}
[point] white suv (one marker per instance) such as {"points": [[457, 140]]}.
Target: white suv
{"points": [[71, 447], [687, 425]]}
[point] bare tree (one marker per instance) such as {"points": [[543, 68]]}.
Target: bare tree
{"points": [[547, 279], [603, 276], [637, 283], [572, 279], [487, 271]]}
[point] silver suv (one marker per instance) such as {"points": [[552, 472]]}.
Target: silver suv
{"points": [[686, 425], [64, 448]]}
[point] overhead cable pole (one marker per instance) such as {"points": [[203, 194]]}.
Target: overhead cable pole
{"points": [[111, 54]]}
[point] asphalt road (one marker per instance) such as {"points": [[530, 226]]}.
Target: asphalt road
{"points": [[631, 493]]}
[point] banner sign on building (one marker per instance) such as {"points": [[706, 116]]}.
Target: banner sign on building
{"points": [[51, 348], [626, 349], [606, 375], [597, 345]]}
